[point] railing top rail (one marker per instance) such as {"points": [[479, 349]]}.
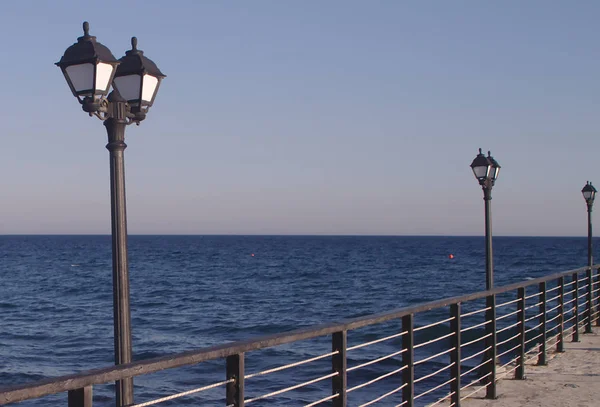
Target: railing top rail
{"points": [[113, 373]]}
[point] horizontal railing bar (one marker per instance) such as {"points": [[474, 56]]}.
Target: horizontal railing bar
{"points": [[434, 388], [509, 339], [570, 319], [475, 326], [475, 367], [533, 328], [554, 308], [569, 293], [533, 357], [290, 388], [533, 306], [396, 390], [553, 338], [503, 375], [290, 365], [476, 391], [533, 295], [508, 327], [475, 354], [433, 356], [420, 379], [475, 340], [476, 381], [509, 350], [183, 394], [314, 403], [433, 324], [370, 362], [351, 389], [552, 289], [439, 338], [501, 317], [552, 319], [442, 399], [581, 296], [509, 362], [533, 317], [553, 299], [479, 311], [532, 339], [387, 338], [115, 373], [502, 304]]}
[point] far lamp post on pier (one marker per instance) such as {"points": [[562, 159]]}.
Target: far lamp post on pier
{"points": [[589, 194], [90, 69], [486, 171]]}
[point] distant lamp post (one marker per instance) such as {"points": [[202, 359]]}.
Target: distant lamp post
{"points": [[90, 69], [486, 170], [589, 194]]}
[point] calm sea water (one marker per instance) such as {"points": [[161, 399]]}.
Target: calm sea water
{"points": [[189, 292]]}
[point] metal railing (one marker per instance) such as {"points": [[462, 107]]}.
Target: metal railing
{"points": [[466, 350]]}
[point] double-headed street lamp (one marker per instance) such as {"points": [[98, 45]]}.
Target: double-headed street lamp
{"points": [[486, 171], [90, 69], [589, 194]]}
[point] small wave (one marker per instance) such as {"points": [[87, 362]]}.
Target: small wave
{"points": [[7, 305], [74, 265]]}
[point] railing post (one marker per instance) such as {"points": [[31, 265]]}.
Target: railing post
{"points": [[235, 390], [575, 337], [490, 328], [455, 356], [408, 374], [520, 371], [560, 344], [589, 308], [542, 309], [80, 397], [339, 344]]}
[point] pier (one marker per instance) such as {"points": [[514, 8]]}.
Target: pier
{"points": [[475, 341], [569, 380]]}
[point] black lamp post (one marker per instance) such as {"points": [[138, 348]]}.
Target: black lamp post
{"points": [[589, 194], [90, 68], [486, 171]]}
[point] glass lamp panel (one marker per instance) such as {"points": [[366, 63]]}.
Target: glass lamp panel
{"points": [[128, 86], [103, 75], [587, 195], [481, 171], [494, 173], [149, 87], [81, 77]]}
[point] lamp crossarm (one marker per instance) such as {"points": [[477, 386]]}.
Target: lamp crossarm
{"points": [[104, 109]]}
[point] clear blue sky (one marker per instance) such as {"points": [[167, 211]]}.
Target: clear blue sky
{"points": [[310, 117]]}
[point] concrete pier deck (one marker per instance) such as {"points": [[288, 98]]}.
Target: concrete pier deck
{"points": [[571, 379]]}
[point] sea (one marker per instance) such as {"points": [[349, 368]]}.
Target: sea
{"points": [[189, 292]]}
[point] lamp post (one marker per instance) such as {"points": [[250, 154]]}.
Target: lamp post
{"points": [[486, 171], [589, 194], [90, 69]]}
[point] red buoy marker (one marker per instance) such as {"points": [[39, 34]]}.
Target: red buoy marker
{"points": [[450, 256]]}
